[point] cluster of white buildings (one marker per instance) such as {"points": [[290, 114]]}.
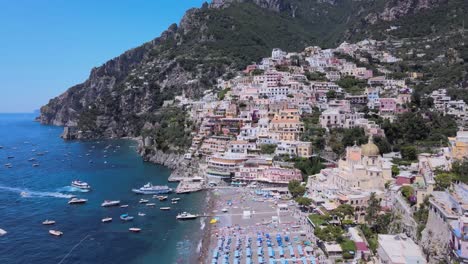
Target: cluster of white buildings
{"points": [[445, 104]]}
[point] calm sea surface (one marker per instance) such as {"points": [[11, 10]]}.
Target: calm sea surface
{"points": [[112, 168]]}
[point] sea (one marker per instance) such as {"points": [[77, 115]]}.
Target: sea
{"points": [[29, 195]]}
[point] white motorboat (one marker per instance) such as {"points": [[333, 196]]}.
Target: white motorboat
{"points": [[80, 184], [165, 208], [174, 202], [24, 194], [143, 201], [186, 216], [48, 222], [160, 197], [2, 232], [55, 232], [151, 204], [124, 206], [175, 199], [35, 165], [134, 229], [108, 203], [106, 220], [77, 201], [141, 214]]}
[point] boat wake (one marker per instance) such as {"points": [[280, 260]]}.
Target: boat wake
{"points": [[71, 189], [28, 193]]}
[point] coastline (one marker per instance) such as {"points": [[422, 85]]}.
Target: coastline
{"points": [[206, 237]]}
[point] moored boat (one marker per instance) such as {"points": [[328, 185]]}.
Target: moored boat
{"points": [[143, 201], [186, 216], [106, 220], [126, 217], [77, 201], [2, 232], [80, 184], [134, 229], [152, 189], [48, 222], [175, 199], [108, 203], [124, 206], [165, 208], [55, 232], [141, 214], [160, 197], [151, 204]]}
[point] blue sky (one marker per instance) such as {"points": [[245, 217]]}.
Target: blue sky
{"points": [[48, 46]]}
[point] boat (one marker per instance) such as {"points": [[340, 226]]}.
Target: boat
{"points": [[224, 210], [160, 197], [151, 204], [174, 202], [108, 203], [165, 208], [143, 201], [152, 189], [48, 222], [186, 216], [141, 214], [10, 157], [2, 232], [24, 194], [126, 217], [8, 165], [35, 165], [106, 220], [55, 232], [77, 201], [31, 159], [175, 199], [124, 206], [80, 184], [134, 229]]}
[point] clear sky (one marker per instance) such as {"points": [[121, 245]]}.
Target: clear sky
{"points": [[48, 46]]}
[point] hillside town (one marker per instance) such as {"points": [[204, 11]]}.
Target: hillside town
{"points": [[281, 124]]}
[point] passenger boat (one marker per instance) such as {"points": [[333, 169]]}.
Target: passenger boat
{"points": [[165, 208], [48, 222], [143, 201], [77, 201], [186, 216], [126, 217], [108, 203], [134, 229], [152, 189], [80, 184], [55, 232], [106, 220]]}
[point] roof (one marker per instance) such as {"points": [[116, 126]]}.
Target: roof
{"points": [[361, 246], [401, 249]]}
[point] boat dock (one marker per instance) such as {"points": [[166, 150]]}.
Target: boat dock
{"points": [[188, 186]]}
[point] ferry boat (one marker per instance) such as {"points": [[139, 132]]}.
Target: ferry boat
{"points": [[77, 201], [48, 222], [80, 184], [55, 232], [108, 203], [152, 189], [165, 208], [186, 216], [126, 217], [106, 220], [134, 229]]}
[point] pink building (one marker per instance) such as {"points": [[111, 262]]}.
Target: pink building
{"points": [[280, 175]]}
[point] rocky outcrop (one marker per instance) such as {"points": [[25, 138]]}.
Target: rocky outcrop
{"points": [[274, 5], [435, 238], [395, 9]]}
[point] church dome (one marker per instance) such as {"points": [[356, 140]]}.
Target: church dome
{"points": [[370, 149]]}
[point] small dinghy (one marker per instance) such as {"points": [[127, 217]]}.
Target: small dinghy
{"points": [[165, 208], [48, 222], [55, 232], [126, 217], [141, 214], [106, 220], [134, 229]]}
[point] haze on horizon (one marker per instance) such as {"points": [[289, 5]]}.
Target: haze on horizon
{"points": [[50, 46]]}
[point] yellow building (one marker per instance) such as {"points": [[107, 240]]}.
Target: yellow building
{"points": [[459, 145]]}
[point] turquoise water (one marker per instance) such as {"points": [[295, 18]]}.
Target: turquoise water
{"points": [[111, 171]]}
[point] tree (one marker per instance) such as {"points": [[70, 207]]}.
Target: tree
{"points": [[296, 189], [407, 192], [331, 94], [383, 144], [373, 209], [443, 180], [395, 170], [343, 211], [303, 201], [267, 148], [409, 153]]}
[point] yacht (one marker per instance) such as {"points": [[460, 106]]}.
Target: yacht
{"points": [[48, 222], [77, 201], [152, 189], [80, 184], [106, 220], [108, 203], [186, 216], [55, 232], [126, 217]]}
